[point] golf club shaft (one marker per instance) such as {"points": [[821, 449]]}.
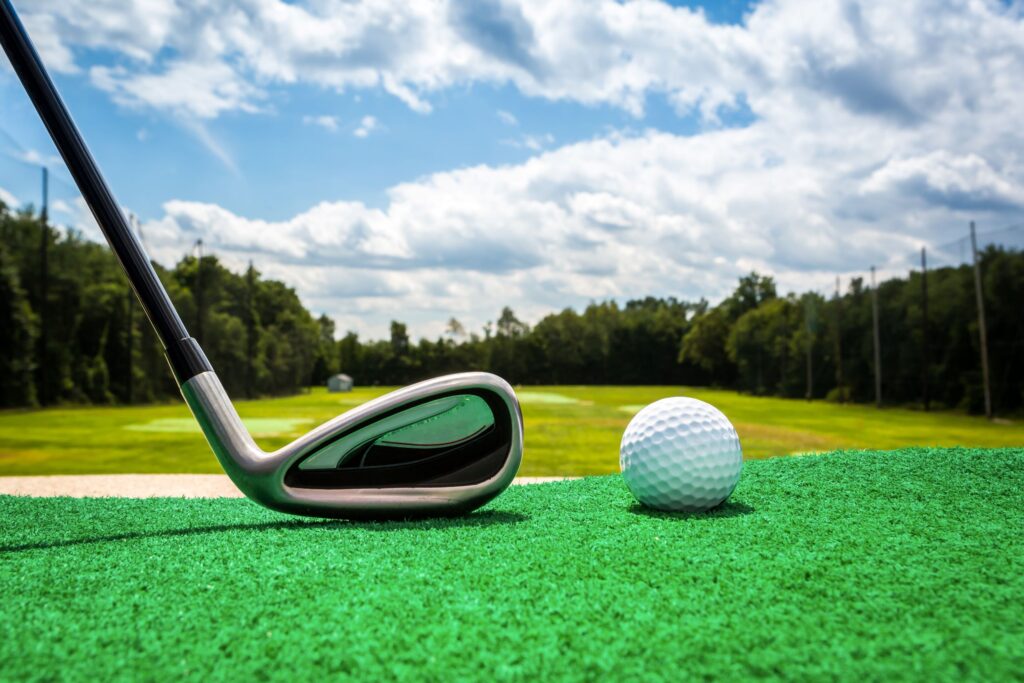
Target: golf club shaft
{"points": [[183, 352]]}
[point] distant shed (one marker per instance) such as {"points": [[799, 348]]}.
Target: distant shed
{"points": [[338, 383]]}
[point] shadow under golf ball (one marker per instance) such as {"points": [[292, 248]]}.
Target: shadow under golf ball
{"points": [[730, 508]]}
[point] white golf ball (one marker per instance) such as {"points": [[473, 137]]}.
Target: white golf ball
{"points": [[680, 454]]}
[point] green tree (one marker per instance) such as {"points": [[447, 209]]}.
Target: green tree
{"points": [[349, 354], [752, 291], [264, 342], [17, 337], [760, 345], [399, 338], [704, 345]]}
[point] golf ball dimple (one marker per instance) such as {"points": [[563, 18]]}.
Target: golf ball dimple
{"points": [[680, 454]]}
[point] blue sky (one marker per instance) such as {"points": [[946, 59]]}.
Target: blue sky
{"points": [[424, 160], [280, 165]]}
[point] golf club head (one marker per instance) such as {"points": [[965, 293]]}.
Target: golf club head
{"points": [[441, 447]]}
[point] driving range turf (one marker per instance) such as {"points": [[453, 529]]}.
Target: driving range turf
{"points": [[851, 565], [569, 430]]}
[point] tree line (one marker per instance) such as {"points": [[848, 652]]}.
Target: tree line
{"points": [[70, 331], [755, 341]]}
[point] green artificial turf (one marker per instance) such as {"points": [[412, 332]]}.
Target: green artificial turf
{"points": [[570, 430], [856, 565]]}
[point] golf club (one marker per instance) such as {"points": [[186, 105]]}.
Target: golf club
{"points": [[440, 447]]}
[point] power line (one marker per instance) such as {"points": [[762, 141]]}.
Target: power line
{"points": [[13, 140], [36, 164], [930, 256], [941, 253]]}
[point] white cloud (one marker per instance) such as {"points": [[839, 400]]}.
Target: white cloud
{"points": [[507, 118], [9, 199], [75, 213], [139, 29], [36, 158], [192, 92], [534, 143], [47, 39], [325, 121], [367, 125], [619, 217], [940, 177], [593, 52], [208, 58], [188, 88], [202, 133]]}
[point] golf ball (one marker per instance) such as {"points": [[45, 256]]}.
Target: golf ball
{"points": [[680, 454]]}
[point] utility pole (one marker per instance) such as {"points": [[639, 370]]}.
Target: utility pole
{"points": [[878, 350], [199, 290], [129, 350], [810, 346], [129, 342], [142, 235], [981, 324], [810, 371], [250, 330], [44, 289], [925, 341], [839, 344]]}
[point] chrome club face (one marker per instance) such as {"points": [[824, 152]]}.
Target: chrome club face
{"points": [[440, 447]]}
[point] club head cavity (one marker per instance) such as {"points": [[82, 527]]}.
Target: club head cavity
{"points": [[441, 447]]}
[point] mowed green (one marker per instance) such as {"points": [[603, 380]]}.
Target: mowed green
{"points": [[570, 430], [849, 566]]}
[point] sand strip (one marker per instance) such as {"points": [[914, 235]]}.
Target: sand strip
{"points": [[145, 485]]}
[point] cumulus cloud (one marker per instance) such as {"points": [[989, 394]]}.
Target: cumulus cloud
{"points": [[580, 50], [610, 218], [595, 52], [75, 213], [139, 29], [202, 90], [939, 177]]}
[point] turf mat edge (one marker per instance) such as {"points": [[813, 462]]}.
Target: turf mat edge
{"points": [[857, 564]]}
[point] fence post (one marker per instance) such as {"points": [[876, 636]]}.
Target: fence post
{"points": [[198, 294], [250, 331], [839, 344], [925, 342], [981, 324], [810, 346], [44, 293], [878, 350]]}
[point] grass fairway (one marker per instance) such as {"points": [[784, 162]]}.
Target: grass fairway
{"points": [[856, 566], [569, 430]]}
